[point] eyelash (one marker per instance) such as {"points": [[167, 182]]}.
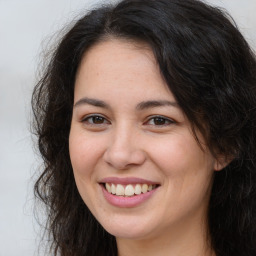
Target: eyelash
{"points": [[163, 120], [167, 121], [93, 117]]}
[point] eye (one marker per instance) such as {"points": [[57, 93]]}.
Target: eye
{"points": [[95, 120], [159, 121]]}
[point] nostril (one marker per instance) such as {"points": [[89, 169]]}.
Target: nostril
{"points": [[123, 158]]}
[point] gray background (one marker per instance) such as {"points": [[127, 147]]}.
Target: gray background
{"points": [[24, 26]]}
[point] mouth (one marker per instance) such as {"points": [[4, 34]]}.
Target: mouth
{"points": [[128, 190]]}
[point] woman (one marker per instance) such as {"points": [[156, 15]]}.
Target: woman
{"points": [[146, 123]]}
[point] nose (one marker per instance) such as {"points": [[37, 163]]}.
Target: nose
{"points": [[124, 151]]}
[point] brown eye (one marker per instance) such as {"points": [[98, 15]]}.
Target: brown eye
{"points": [[159, 121], [95, 120]]}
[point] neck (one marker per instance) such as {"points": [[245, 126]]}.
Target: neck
{"points": [[188, 238]]}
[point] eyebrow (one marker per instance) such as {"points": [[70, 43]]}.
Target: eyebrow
{"points": [[93, 102], [155, 103], [141, 106]]}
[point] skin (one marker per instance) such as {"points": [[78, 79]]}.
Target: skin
{"points": [[125, 141]]}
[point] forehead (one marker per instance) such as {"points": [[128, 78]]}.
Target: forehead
{"points": [[118, 64], [107, 56], [119, 45]]}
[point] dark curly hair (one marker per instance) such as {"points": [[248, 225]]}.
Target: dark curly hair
{"points": [[211, 71]]}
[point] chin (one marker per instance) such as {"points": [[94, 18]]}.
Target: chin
{"points": [[128, 228], [127, 233]]}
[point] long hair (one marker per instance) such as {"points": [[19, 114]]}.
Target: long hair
{"points": [[211, 71]]}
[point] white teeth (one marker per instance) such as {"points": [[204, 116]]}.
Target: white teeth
{"points": [[108, 187], [144, 188], [119, 190], [137, 189], [128, 190], [113, 189]]}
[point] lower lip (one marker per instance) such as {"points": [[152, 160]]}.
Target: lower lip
{"points": [[127, 202]]}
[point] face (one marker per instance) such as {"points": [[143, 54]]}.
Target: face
{"points": [[136, 162]]}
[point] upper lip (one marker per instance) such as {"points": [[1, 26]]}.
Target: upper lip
{"points": [[127, 180]]}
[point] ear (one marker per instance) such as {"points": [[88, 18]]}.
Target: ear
{"points": [[221, 162]]}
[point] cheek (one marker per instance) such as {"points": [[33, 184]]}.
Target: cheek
{"points": [[186, 169], [84, 155], [84, 152], [180, 154]]}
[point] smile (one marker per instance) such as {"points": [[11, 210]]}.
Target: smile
{"points": [[129, 189], [127, 192]]}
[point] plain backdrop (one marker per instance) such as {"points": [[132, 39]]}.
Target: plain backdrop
{"points": [[24, 25]]}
